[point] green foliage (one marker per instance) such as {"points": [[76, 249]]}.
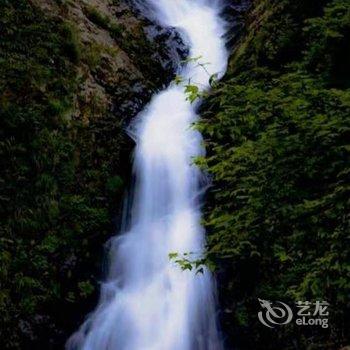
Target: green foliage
{"points": [[192, 91], [328, 47], [58, 182], [93, 53], [103, 21], [71, 42], [278, 150], [86, 288], [115, 184], [97, 17], [191, 261]]}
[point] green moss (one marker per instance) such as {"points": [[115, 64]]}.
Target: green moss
{"points": [[94, 51], [114, 184], [103, 21], [116, 30], [54, 201], [71, 41], [97, 17]]}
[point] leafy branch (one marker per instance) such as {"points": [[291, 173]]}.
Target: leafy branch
{"points": [[185, 262], [192, 90]]}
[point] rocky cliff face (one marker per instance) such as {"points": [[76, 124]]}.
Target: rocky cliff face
{"points": [[124, 56], [73, 74]]}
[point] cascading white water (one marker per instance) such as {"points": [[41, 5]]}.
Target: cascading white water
{"points": [[147, 301]]}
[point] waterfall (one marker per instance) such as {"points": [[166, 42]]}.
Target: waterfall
{"points": [[147, 302]]}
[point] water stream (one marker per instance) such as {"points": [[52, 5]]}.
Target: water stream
{"points": [[147, 302]]}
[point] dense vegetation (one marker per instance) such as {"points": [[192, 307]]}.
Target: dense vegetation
{"points": [[277, 131], [49, 193]]}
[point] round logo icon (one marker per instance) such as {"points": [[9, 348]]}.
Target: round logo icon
{"points": [[276, 313]]}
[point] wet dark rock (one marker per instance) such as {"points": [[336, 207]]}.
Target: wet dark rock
{"points": [[171, 48], [233, 13]]}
